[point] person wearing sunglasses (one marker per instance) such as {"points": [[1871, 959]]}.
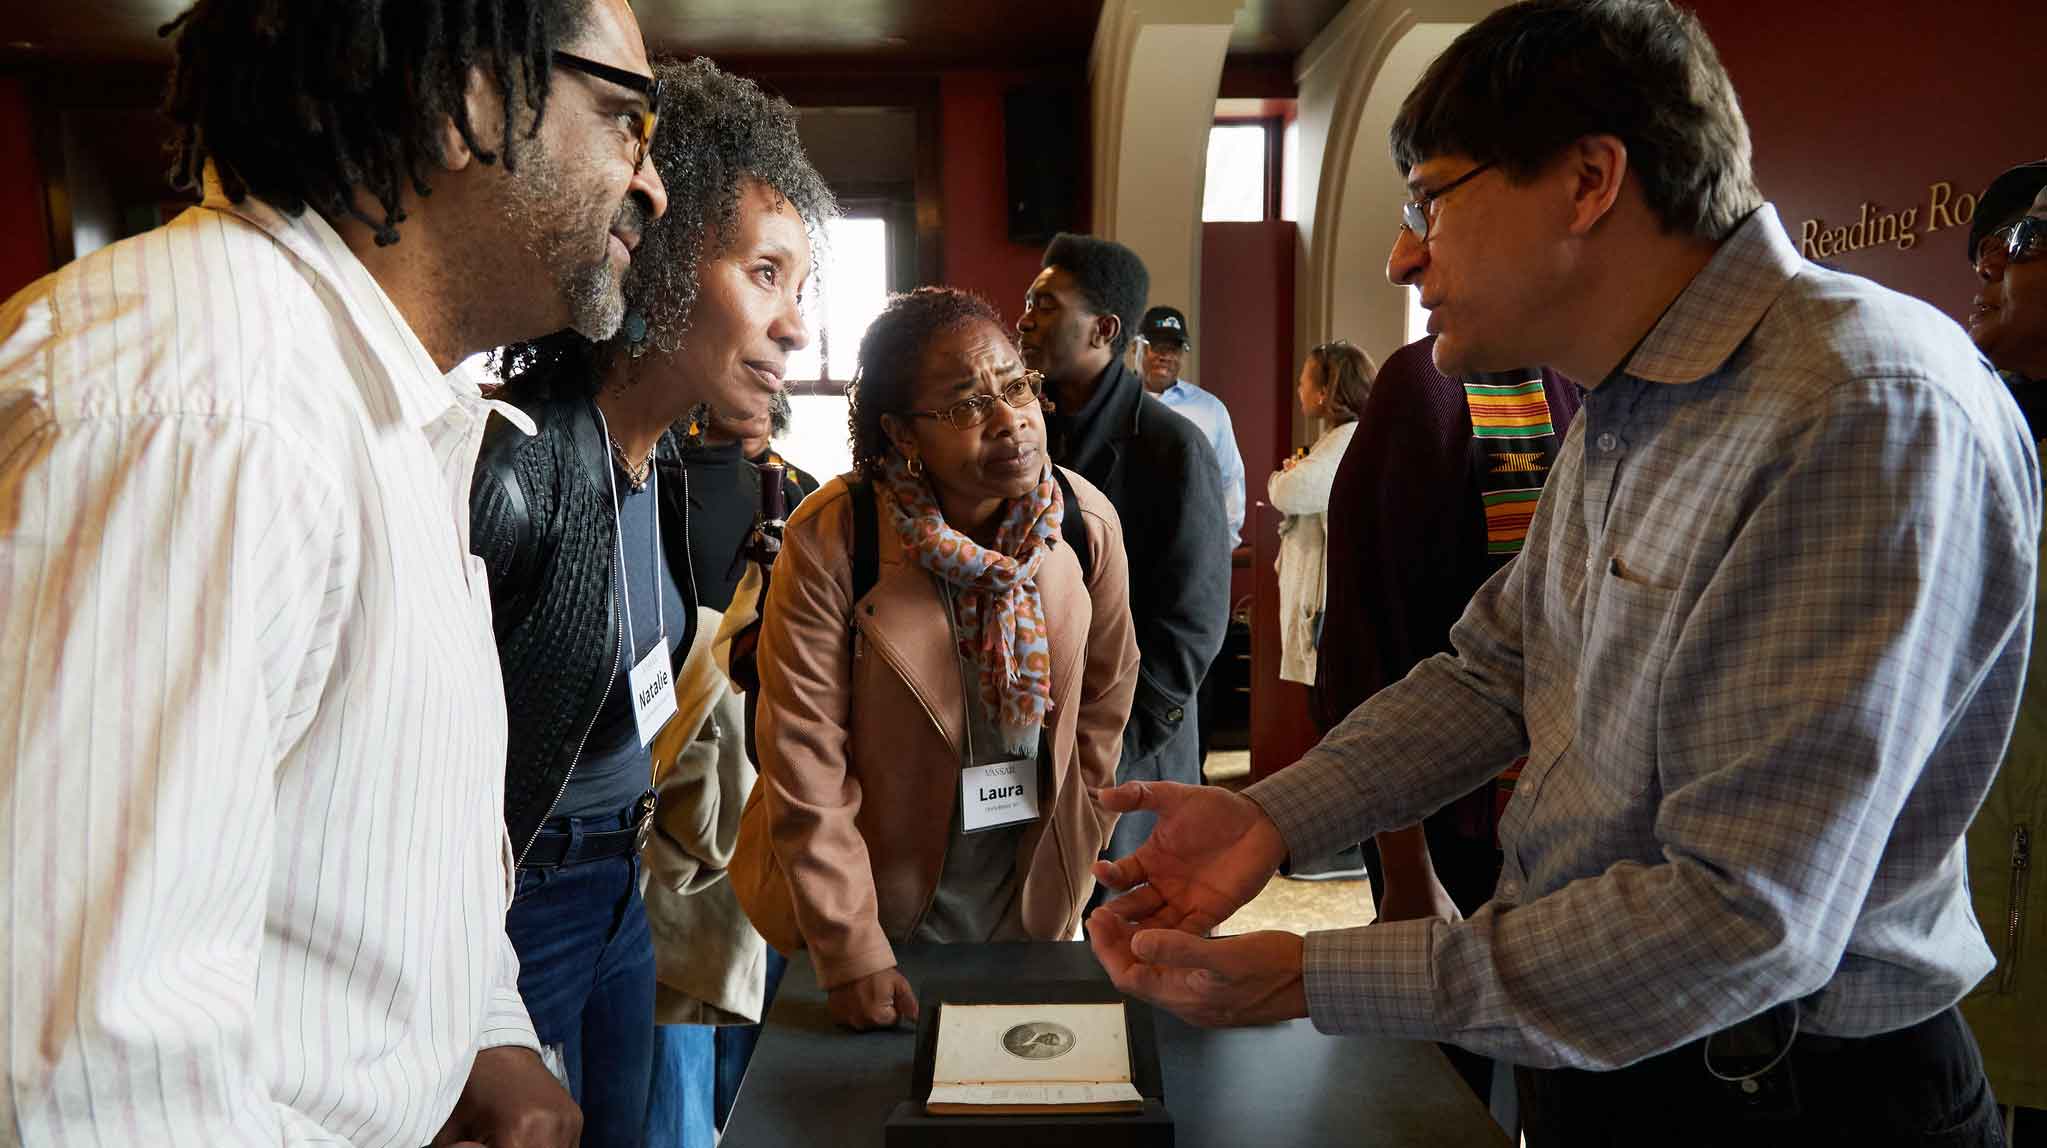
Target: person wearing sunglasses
{"points": [[584, 530], [1763, 645], [2008, 317], [2008, 252], [946, 664]]}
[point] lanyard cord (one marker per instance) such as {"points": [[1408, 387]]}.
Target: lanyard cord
{"points": [[1747, 1080], [966, 698], [632, 643]]}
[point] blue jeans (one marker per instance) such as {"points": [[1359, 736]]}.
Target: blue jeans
{"points": [[697, 1070], [586, 971]]}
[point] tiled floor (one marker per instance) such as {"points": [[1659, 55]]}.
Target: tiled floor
{"points": [[1295, 906], [1230, 767], [1304, 906]]}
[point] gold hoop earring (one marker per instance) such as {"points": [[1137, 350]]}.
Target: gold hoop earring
{"points": [[915, 466]]}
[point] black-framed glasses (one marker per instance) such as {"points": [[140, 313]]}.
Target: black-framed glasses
{"points": [[2020, 241], [647, 86], [1416, 214], [969, 413]]}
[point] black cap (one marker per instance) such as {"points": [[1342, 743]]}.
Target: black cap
{"points": [[1165, 325], [2004, 201]]}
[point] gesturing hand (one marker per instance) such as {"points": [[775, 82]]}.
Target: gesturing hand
{"points": [[512, 1101], [877, 1000], [1252, 979], [1210, 852]]}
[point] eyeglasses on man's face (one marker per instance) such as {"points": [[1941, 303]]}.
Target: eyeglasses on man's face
{"points": [[2019, 242], [1417, 213], [647, 86], [969, 413]]}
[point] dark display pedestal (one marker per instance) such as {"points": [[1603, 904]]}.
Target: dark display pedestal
{"points": [[909, 1126]]}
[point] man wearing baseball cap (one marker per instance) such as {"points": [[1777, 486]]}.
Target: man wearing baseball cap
{"points": [[2008, 250], [1167, 338]]}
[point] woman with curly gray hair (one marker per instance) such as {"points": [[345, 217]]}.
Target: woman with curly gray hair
{"points": [[582, 528]]}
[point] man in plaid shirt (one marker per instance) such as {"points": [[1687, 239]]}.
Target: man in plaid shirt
{"points": [[1763, 647]]}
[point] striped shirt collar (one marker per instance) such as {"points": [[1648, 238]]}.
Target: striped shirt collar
{"points": [[423, 393], [1721, 306]]}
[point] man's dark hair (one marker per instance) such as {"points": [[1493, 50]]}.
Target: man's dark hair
{"points": [[890, 353], [1531, 79], [718, 134], [303, 103], [1110, 276]]}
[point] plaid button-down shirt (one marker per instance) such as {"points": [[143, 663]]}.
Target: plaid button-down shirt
{"points": [[1763, 648]]}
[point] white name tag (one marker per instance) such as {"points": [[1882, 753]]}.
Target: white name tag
{"points": [[653, 693], [992, 796]]}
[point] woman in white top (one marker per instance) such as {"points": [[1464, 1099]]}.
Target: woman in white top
{"points": [[1334, 382]]}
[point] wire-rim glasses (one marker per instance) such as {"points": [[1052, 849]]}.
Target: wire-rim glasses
{"points": [[969, 413], [1416, 214]]}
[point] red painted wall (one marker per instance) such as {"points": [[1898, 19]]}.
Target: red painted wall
{"points": [[1247, 351], [978, 253], [1851, 103], [24, 230]]}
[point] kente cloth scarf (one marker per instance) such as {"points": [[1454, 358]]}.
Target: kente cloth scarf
{"points": [[1001, 614]]}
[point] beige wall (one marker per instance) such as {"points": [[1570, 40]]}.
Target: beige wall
{"points": [[1155, 71], [1352, 80]]}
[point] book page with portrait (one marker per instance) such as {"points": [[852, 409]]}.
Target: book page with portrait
{"points": [[1028, 1057]]}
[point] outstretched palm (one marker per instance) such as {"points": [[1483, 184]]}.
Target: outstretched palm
{"points": [[1211, 852]]}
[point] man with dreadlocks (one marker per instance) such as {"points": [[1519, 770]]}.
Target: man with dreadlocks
{"points": [[585, 531], [253, 732]]}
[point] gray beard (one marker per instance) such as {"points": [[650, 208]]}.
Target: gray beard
{"points": [[595, 299], [596, 304]]}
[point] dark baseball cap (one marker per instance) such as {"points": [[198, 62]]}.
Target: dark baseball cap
{"points": [[1164, 325], [2004, 201]]}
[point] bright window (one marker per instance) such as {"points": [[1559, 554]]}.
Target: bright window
{"points": [[848, 291], [818, 440], [1417, 318], [1235, 191], [845, 295], [1289, 172]]}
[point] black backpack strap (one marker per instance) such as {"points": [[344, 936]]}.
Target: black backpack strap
{"points": [[866, 540], [1075, 532]]}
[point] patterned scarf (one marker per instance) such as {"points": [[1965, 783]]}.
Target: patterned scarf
{"points": [[1001, 614]]}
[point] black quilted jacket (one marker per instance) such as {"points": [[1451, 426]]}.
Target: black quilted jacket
{"points": [[541, 519]]}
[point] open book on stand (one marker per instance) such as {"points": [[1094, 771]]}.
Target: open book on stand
{"points": [[1028, 1063], [1018, 1058]]}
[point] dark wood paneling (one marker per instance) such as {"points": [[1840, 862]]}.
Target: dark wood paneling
{"points": [[985, 33], [1245, 340], [1282, 27], [1264, 77], [930, 33], [927, 32]]}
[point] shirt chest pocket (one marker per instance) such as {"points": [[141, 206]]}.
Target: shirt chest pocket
{"points": [[1631, 625]]}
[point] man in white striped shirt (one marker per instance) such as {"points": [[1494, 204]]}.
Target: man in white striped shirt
{"points": [[252, 733]]}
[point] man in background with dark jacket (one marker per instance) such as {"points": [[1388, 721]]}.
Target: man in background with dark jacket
{"points": [[1162, 476]]}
